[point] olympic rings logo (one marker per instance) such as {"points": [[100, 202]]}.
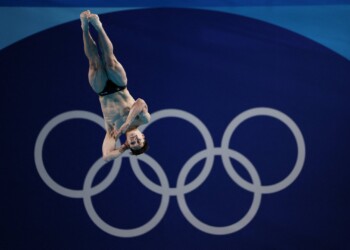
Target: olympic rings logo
{"points": [[181, 188]]}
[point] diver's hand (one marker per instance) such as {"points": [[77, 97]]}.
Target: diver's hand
{"points": [[125, 146], [115, 133]]}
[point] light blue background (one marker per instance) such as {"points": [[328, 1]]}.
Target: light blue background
{"points": [[328, 24]]}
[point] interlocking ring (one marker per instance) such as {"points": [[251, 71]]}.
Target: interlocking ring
{"points": [[181, 188]]}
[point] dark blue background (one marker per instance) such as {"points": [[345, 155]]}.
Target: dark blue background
{"points": [[212, 65]]}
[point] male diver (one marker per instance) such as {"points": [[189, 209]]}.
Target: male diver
{"points": [[121, 113]]}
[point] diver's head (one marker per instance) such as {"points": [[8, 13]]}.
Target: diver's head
{"points": [[136, 141]]}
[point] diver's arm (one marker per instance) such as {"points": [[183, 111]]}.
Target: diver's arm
{"points": [[109, 150], [114, 154], [139, 110]]}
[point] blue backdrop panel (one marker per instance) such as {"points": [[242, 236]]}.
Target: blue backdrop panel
{"points": [[203, 64]]}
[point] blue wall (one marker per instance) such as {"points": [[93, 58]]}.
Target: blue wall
{"points": [[249, 137]]}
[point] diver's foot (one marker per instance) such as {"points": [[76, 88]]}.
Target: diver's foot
{"points": [[84, 18], [95, 21]]}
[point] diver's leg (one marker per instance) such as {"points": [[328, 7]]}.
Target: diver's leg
{"points": [[114, 69], [97, 74]]}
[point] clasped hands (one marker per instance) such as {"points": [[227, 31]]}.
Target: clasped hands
{"points": [[116, 133]]}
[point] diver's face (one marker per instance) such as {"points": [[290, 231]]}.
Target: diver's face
{"points": [[135, 139]]}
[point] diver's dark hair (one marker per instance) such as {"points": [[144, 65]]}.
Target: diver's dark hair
{"points": [[141, 150]]}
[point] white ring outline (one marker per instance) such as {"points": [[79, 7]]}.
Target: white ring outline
{"points": [[225, 229], [181, 189], [127, 233], [267, 189], [39, 163], [176, 113]]}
